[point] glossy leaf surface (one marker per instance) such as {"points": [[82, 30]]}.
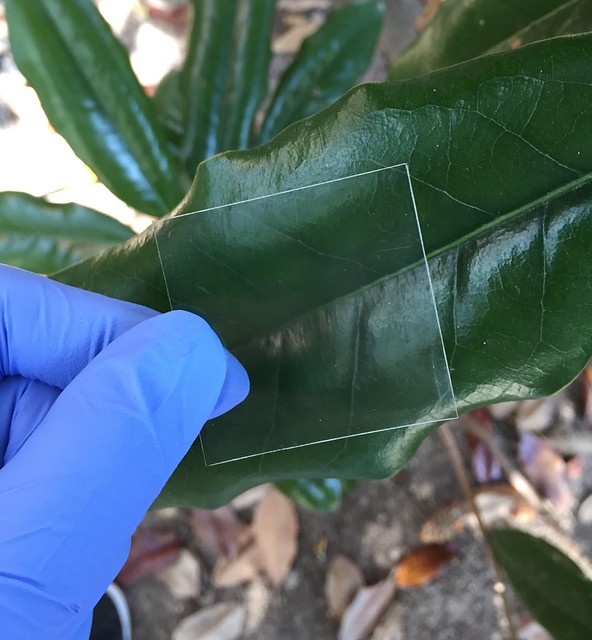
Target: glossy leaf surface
{"points": [[320, 495], [44, 237], [503, 184], [326, 66], [224, 76], [555, 587], [247, 80], [84, 80], [464, 29]]}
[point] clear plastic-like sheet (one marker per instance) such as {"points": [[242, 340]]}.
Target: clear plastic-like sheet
{"points": [[353, 348]]}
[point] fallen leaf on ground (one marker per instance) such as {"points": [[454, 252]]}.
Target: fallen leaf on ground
{"points": [[497, 502], [503, 410], [344, 580], [533, 631], [422, 564], [585, 511], [486, 467], [182, 578], [536, 415], [257, 597], [392, 625], [587, 383], [234, 571], [250, 497], [366, 610], [221, 622], [275, 531], [151, 550], [218, 531], [547, 470], [444, 523]]}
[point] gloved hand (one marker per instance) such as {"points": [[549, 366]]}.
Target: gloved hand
{"points": [[99, 401]]}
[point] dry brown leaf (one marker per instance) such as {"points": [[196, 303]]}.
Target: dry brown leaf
{"points": [[547, 470], [275, 530], [537, 414], [182, 578], [444, 523], [503, 410], [501, 502], [533, 631], [422, 564], [218, 531], [251, 497], [486, 466], [151, 550], [585, 511], [221, 622], [496, 502], [344, 580], [366, 610], [392, 625], [244, 568]]}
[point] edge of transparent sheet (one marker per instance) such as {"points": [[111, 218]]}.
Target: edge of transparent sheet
{"points": [[323, 361]]}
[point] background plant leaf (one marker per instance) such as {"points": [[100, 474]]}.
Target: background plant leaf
{"points": [[91, 96], [167, 100], [462, 30], [224, 75], [44, 237], [569, 18], [503, 185], [324, 494], [554, 584], [247, 80], [328, 64]]}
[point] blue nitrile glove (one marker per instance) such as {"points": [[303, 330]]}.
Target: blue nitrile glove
{"points": [[99, 401]]}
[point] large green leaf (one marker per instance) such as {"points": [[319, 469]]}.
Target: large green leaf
{"points": [[91, 96], [465, 29], [224, 75], [44, 237], [502, 173], [554, 583], [327, 65]]}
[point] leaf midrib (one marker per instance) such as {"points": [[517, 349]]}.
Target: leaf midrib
{"points": [[483, 229]]}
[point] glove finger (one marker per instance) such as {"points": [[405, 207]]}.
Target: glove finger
{"points": [[50, 331], [73, 495], [23, 405], [234, 389]]}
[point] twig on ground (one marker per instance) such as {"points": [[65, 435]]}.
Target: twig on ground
{"points": [[501, 601], [516, 478]]}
